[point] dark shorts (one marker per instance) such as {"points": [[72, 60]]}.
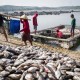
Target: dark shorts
{"points": [[1, 25], [26, 37], [72, 29], [35, 27]]}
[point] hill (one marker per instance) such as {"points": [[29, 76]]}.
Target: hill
{"points": [[6, 8]]}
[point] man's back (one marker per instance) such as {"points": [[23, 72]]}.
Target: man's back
{"points": [[59, 34], [73, 23]]}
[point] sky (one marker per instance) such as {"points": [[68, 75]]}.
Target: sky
{"points": [[41, 3]]}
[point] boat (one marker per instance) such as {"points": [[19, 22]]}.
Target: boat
{"points": [[49, 34]]}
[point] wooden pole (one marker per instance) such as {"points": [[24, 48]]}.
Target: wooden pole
{"points": [[11, 16]]}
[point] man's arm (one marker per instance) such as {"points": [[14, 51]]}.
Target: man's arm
{"points": [[4, 18]]}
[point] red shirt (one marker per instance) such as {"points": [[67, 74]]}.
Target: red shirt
{"points": [[35, 21], [25, 26], [59, 34]]}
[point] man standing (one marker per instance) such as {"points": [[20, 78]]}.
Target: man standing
{"points": [[35, 24], [2, 28], [73, 24], [26, 31]]}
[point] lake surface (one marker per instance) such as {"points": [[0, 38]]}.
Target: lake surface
{"points": [[47, 21]]}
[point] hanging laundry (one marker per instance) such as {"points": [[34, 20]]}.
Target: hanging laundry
{"points": [[14, 26]]}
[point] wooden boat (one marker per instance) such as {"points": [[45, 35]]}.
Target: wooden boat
{"points": [[50, 35]]}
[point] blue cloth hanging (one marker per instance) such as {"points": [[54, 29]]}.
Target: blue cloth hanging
{"points": [[14, 26]]}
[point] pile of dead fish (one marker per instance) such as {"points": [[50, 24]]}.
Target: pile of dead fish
{"points": [[35, 63]]}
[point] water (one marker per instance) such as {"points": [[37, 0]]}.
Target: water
{"points": [[47, 21]]}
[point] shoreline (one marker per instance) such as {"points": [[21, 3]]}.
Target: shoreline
{"points": [[13, 41]]}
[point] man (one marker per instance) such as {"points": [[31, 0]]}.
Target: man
{"points": [[59, 34], [2, 28], [35, 22], [26, 31], [73, 24]]}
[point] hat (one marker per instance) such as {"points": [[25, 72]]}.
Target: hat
{"points": [[24, 17]]}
